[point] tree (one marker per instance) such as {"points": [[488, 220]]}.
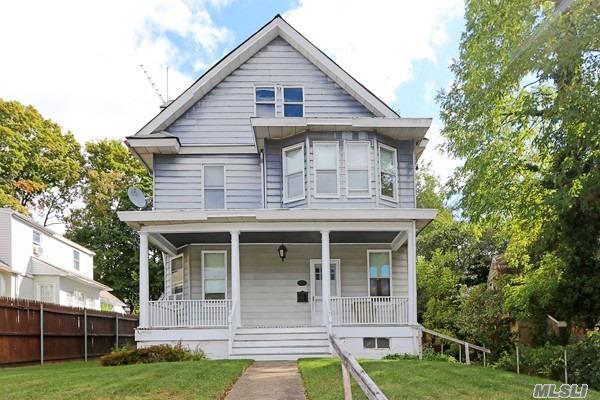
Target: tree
{"points": [[40, 165], [110, 170], [523, 114]]}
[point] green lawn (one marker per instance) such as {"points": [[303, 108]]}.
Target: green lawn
{"points": [[78, 380], [408, 379]]}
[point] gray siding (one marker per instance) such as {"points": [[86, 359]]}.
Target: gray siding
{"points": [[274, 180], [268, 286], [178, 180], [222, 115]]}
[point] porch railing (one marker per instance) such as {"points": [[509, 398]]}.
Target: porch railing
{"points": [[189, 313], [380, 310]]}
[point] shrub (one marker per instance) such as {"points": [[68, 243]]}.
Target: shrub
{"points": [[159, 353], [546, 361], [583, 360], [428, 355]]}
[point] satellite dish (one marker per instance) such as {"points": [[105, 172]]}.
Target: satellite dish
{"points": [[137, 197]]}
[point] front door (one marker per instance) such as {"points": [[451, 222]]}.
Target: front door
{"points": [[316, 288]]}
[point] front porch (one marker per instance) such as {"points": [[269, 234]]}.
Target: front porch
{"points": [[226, 276]]}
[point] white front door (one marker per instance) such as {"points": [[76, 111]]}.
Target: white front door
{"points": [[316, 287]]}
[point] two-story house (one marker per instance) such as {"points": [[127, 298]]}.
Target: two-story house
{"points": [[39, 264], [274, 166]]}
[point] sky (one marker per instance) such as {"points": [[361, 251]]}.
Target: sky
{"points": [[80, 62]]}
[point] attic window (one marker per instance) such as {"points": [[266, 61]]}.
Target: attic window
{"points": [[265, 101], [293, 102]]}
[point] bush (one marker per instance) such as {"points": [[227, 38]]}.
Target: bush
{"points": [[545, 361], [583, 360], [428, 355], [159, 353]]}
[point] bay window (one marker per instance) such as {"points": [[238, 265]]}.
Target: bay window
{"points": [[380, 272], [214, 274], [388, 172], [326, 169], [357, 169], [293, 173]]}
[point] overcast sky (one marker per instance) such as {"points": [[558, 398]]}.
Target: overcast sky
{"points": [[78, 62]]}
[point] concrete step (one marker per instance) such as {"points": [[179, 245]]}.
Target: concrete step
{"points": [[276, 357], [281, 350], [280, 336], [258, 343]]}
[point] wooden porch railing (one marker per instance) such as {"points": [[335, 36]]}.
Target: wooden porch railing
{"points": [[189, 313], [381, 310]]}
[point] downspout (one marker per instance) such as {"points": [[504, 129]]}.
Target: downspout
{"points": [[263, 180]]}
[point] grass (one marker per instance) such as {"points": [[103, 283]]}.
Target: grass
{"points": [[410, 379], [200, 380]]}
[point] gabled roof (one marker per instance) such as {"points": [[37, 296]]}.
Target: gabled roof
{"points": [[37, 266], [274, 28]]}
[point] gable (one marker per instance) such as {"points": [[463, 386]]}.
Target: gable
{"points": [[222, 116]]}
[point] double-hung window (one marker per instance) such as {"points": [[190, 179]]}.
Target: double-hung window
{"points": [[358, 179], [45, 292], [388, 172], [326, 169], [214, 187], [293, 172], [214, 273], [177, 278], [380, 272], [293, 102], [76, 263], [265, 101]]}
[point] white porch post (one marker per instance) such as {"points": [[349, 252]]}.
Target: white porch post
{"points": [[235, 277], [144, 281], [412, 274], [325, 275]]}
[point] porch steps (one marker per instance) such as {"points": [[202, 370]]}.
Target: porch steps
{"points": [[280, 343]]}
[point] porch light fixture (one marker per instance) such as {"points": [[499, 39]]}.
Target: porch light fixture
{"points": [[282, 250]]}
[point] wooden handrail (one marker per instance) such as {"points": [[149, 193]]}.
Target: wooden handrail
{"points": [[455, 340], [351, 366]]}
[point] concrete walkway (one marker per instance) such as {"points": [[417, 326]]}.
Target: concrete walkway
{"points": [[269, 380]]}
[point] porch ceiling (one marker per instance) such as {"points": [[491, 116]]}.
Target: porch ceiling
{"points": [[182, 239]]}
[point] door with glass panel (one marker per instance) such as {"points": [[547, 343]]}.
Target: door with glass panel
{"points": [[316, 287]]}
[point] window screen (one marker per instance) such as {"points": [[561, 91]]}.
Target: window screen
{"points": [[326, 169], [357, 169], [215, 275], [214, 187]]}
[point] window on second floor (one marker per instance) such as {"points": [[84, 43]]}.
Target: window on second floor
{"points": [[293, 172], [214, 187], [37, 243], [358, 179], [388, 172], [326, 169], [293, 102], [265, 101], [76, 260]]}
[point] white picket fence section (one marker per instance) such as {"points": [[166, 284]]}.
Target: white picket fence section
{"points": [[380, 310], [189, 313]]}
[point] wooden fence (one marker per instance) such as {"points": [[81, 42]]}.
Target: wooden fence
{"points": [[34, 332]]}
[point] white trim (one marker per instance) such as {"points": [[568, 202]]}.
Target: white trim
{"points": [[224, 252], [274, 102], [369, 176], [284, 176], [183, 280], [38, 291], [276, 27], [224, 185], [389, 253], [338, 284], [283, 102], [395, 152], [316, 144]]}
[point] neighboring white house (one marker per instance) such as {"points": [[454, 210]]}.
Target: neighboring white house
{"points": [[110, 302], [273, 166], [37, 263]]}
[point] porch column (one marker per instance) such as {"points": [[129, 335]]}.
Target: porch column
{"points": [[235, 277], [144, 281], [325, 275], [412, 274]]}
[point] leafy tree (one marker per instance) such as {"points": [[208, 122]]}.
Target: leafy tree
{"points": [[110, 170], [40, 165], [522, 113]]}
